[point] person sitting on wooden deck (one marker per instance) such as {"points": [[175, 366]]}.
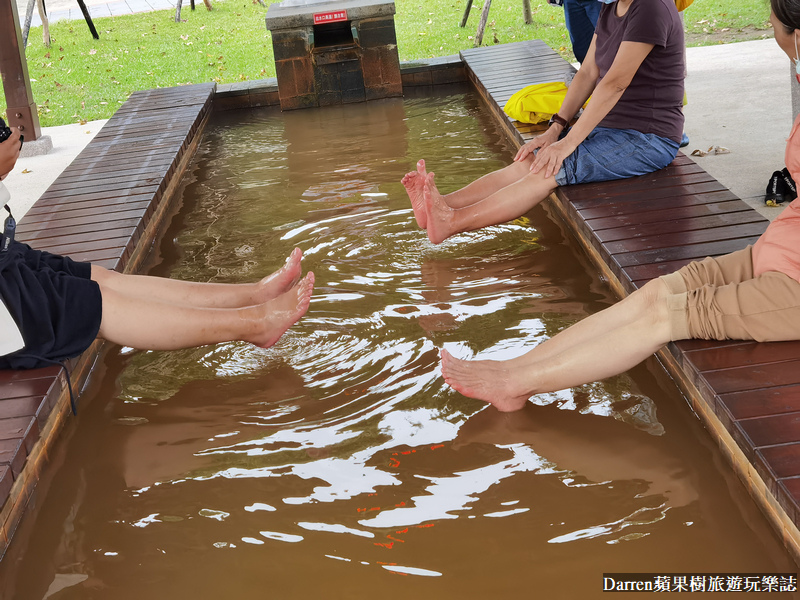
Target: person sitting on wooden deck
{"points": [[634, 72], [53, 308], [750, 294]]}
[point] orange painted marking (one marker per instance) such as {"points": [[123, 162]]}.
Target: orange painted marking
{"points": [[401, 504], [389, 545], [395, 539], [437, 446], [402, 530]]}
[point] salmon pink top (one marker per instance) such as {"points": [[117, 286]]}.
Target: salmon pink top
{"points": [[778, 249]]}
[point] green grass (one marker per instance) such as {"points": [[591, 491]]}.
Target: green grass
{"points": [[79, 78]]}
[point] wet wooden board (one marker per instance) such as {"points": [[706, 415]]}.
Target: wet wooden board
{"points": [[98, 210], [641, 228]]}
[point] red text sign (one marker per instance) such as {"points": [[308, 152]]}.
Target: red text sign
{"points": [[330, 17]]}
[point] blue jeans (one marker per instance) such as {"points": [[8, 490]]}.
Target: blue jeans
{"points": [[608, 154], [581, 17]]}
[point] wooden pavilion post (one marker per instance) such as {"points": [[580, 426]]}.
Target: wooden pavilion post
{"points": [[21, 108]]}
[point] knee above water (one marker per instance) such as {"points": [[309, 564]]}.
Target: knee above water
{"points": [[650, 302]]}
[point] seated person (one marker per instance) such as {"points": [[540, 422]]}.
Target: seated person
{"points": [[53, 307], [633, 125], [751, 294]]}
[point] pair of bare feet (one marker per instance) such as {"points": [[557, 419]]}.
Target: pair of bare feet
{"points": [[485, 380], [430, 209], [492, 381], [282, 299]]}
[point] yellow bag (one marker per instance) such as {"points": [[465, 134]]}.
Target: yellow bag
{"points": [[683, 4], [536, 103]]}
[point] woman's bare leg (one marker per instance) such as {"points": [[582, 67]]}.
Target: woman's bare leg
{"points": [[503, 205], [489, 184], [600, 346], [202, 295], [150, 324], [476, 191]]}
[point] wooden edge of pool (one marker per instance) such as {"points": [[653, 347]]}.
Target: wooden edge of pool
{"points": [[158, 132]]}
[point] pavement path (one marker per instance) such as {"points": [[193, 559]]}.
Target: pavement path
{"points": [[68, 9]]}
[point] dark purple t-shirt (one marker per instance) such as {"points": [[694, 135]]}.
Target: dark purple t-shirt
{"points": [[654, 99]]}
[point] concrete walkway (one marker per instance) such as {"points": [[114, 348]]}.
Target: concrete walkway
{"points": [[58, 10], [739, 98]]}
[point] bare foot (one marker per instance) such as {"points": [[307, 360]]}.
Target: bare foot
{"points": [[440, 216], [281, 280], [414, 182], [280, 313], [487, 380]]}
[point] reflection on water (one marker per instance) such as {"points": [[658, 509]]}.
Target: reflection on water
{"points": [[337, 464]]}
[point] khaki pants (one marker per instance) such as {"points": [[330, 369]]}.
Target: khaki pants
{"points": [[719, 299]]}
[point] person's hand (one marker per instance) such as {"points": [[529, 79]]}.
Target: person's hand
{"points": [[9, 152], [540, 141], [552, 157]]}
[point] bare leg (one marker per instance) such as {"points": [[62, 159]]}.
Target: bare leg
{"points": [[150, 324], [489, 184], [508, 203], [602, 345], [202, 295], [414, 182]]}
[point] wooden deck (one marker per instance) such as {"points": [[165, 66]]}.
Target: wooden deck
{"points": [[747, 394], [106, 208]]}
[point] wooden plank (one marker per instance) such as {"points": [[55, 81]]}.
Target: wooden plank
{"points": [[677, 225], [742, 355], [760, 402], [772, 430], [80, 230], [13, 455], [15, 427], [6, 481], [754, 377], [682, 239], [659, 199], [652, 214], [20, 407]]}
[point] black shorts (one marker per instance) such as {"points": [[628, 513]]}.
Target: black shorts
{"points": [[53, 301]]}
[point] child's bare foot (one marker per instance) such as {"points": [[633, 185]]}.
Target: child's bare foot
{"points": [[440, 215], [414, 182], [280, 313], [487, 380], [281, 280]]}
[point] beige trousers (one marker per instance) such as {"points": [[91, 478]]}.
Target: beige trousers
{"points": [[719, 299]]}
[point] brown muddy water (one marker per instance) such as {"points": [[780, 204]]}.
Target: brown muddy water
{"points": [[337, 464]]}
